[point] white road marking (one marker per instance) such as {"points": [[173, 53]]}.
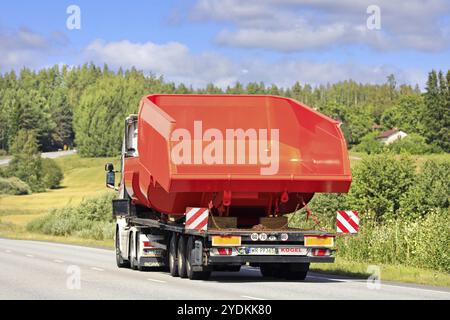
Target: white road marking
{"points": [[252, 298], [30, 256], [331, 279], [382, 284], [58, 261], [159, 281], [97, 269], [429, 290]]}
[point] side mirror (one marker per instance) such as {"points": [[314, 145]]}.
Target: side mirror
{"points": [[111, 179], [110, 175], [109, 167]]}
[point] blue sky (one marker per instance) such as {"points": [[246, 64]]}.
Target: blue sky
{"points": [[224, 41]]}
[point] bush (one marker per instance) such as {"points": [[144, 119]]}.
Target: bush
{"points": [[429, 191], [412, 144], [369, 144], [14, 186], [421, 243], [52, 174], [3, 153], [379, 182], [91, 219]]}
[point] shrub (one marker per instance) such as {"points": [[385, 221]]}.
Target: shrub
{"points": [[421, 243], [369, 144], [91, 219], [380, 181], [13, 186], [429, 191], [3, 153], [413, 144], [52, 174]]}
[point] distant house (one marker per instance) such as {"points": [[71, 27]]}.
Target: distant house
{"points": [[376, 126], [391, 136]]}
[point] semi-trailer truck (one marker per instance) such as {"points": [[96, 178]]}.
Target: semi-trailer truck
{"points": [[206, 182]]}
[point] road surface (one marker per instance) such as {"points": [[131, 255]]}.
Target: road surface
{"points": [[41, 270], [48, 155]]}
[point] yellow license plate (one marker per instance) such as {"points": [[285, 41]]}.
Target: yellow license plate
{"points": [[319, 241], [219, 241]]}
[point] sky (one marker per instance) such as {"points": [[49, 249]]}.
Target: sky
{"points": [[223, 41]]}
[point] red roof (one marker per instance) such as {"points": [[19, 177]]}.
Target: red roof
{"points": [[388, 133]]}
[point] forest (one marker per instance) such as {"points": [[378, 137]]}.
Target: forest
{"points": [[84, 107]]}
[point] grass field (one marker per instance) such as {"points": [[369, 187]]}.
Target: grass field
{"points": [[83, 178]]}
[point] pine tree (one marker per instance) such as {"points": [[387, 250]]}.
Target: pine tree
{"points": [[436, 115]]}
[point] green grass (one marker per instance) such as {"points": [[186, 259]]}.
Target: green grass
{"points": [[18, 232], [83, 178], [388, 272]]}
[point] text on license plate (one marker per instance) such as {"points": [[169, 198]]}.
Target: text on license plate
{"points": [[259, 251]]}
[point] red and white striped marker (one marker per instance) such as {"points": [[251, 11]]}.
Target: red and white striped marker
{"points": [[197, 219], [347, 221]]}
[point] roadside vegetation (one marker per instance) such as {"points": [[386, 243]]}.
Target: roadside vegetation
{"points": [[91, 219], [404, 207], [401, 190]]}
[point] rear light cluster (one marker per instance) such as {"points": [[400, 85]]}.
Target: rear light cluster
{"points": [[320, 252], [223, 252]]}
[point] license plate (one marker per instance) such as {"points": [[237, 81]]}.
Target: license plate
{"points": [[258, 251]]}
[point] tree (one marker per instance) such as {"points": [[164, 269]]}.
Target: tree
{"points": [[99, 119], [436, 115], [26, 163], [406, 114]]}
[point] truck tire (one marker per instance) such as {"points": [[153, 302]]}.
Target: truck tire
{"points": [[194, 275], [181, 254], [132, 252], [173, 263], [121, 263], [296, 271], [267, 270]]}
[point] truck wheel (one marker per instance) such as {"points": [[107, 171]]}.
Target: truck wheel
{"points": [[121, 263], [297, 271], [173, 265], [194, 275], [132, 253], [181, 253]]}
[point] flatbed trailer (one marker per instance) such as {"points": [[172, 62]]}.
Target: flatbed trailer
{"points": [[207, 182], [145, 244]]}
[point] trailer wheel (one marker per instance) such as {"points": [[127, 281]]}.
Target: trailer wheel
{"points": [[121, 263], [267, 270], [173, 264], [181, 253], [194, 275], [296, 271]]}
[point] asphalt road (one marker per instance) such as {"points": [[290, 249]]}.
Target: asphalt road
{"points": [[41, 270], [49, 155]]}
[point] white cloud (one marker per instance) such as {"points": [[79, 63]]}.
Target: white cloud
{"points": [[173, 60], [24, 47], [176, 63], [294, 25]]}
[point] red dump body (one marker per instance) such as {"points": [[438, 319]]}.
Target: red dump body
{"points": [[191, 153]]}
